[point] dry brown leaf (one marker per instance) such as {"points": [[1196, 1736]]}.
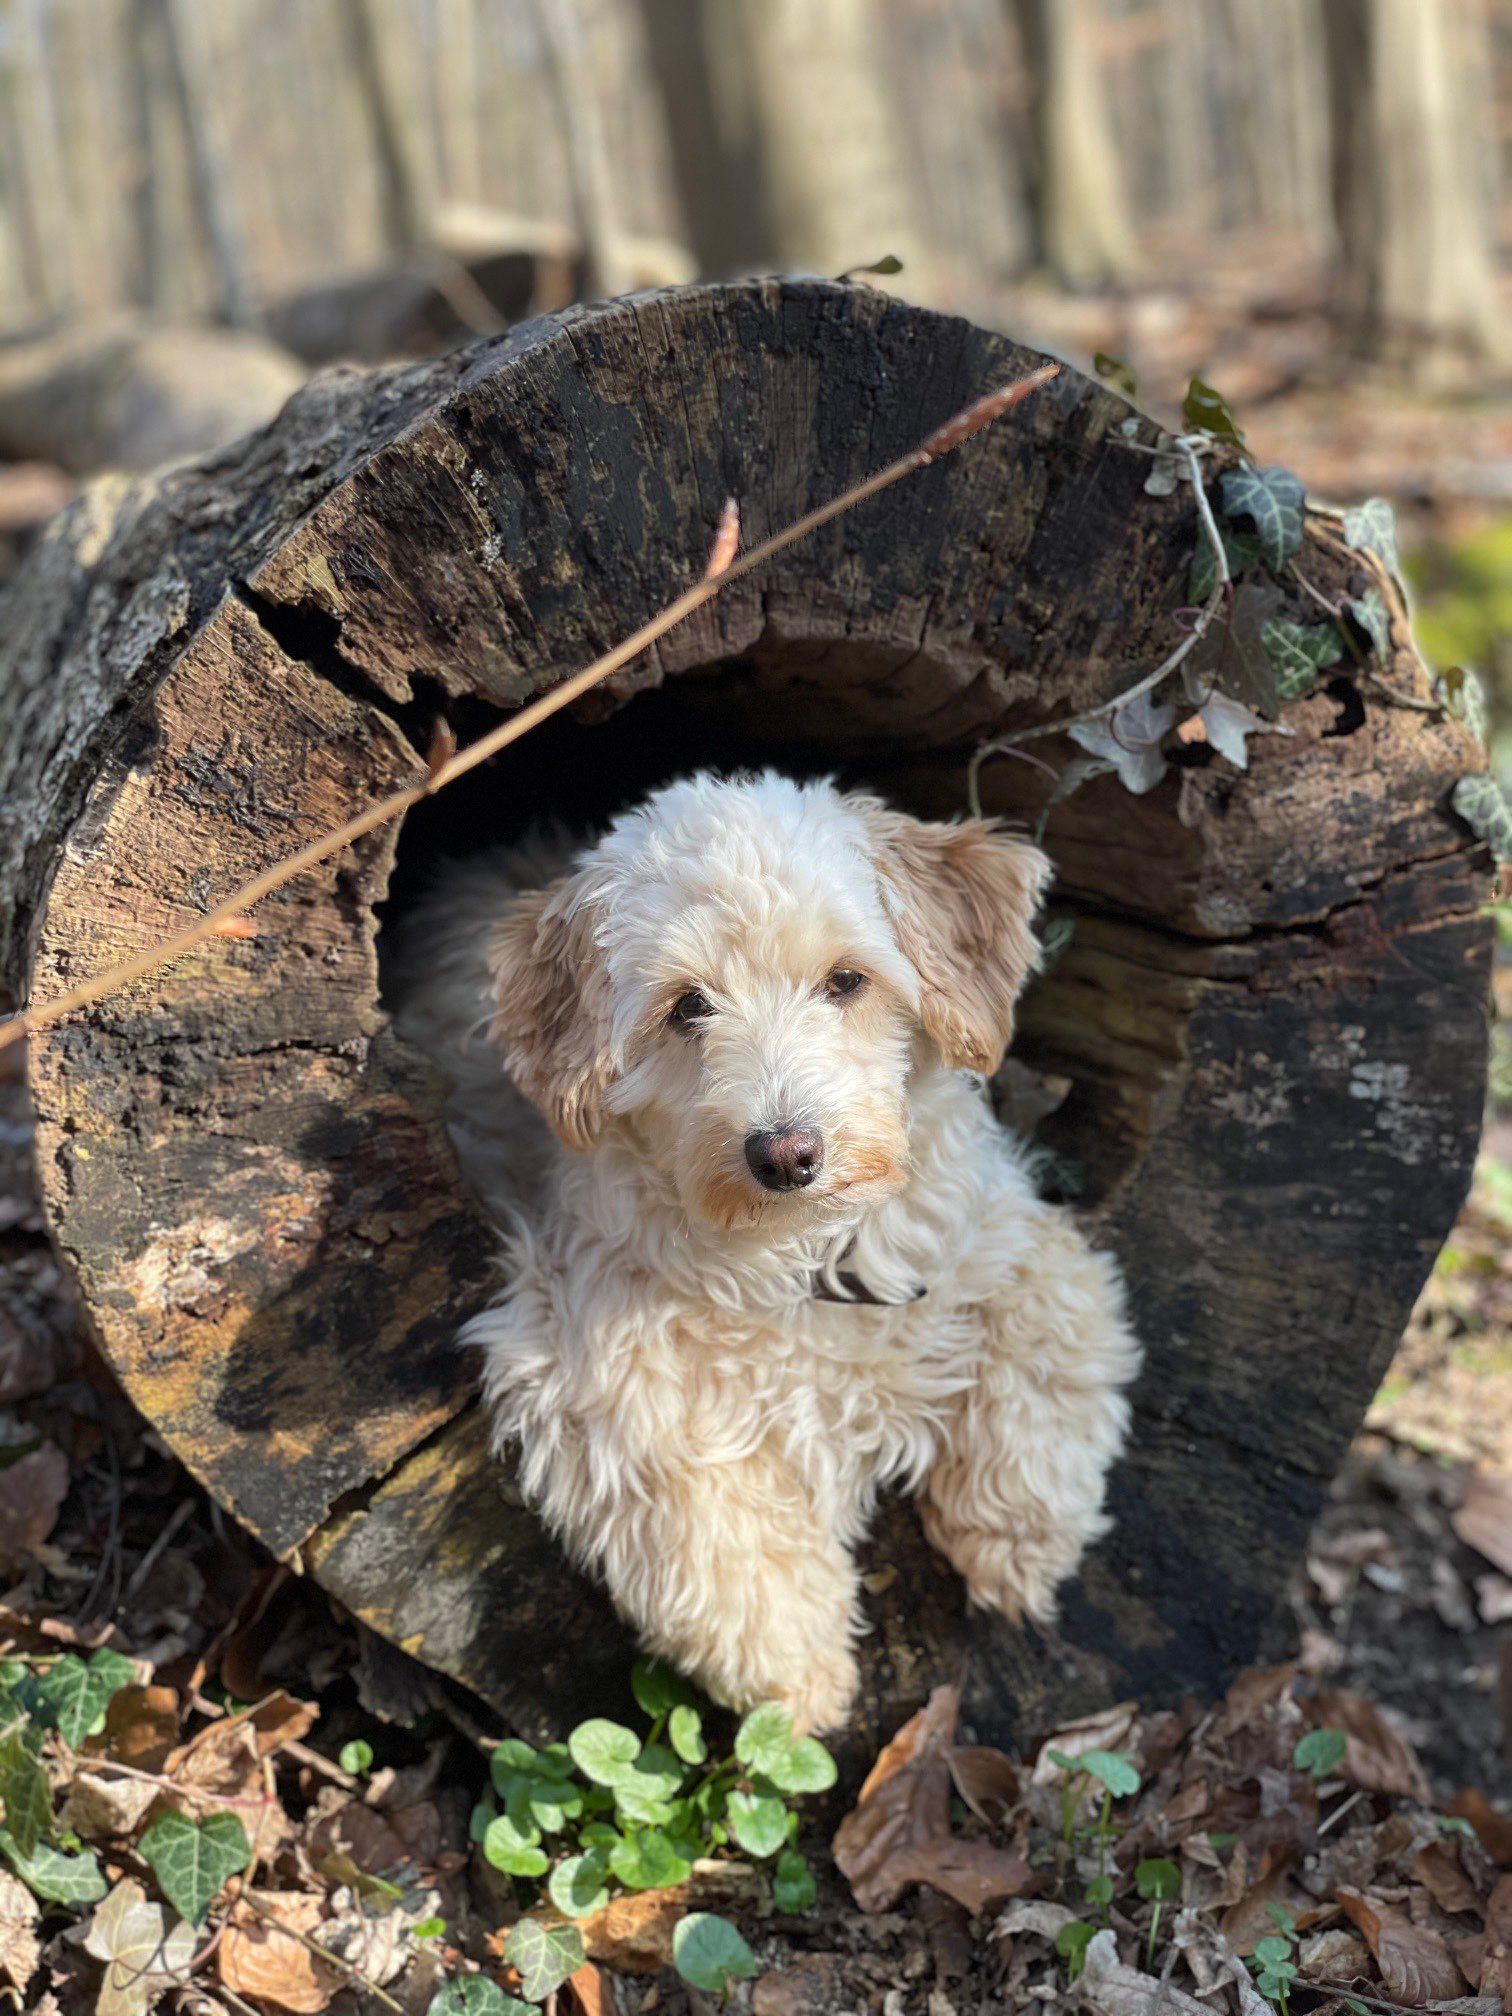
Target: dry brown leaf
{"points": [[633, 1933], [1248, 1919], [268, 1964], [977, 1874], [1416, 1966], [1492, 1829], [20, 1948], [1333, 1958], [1110, 1729], [1496, 1961], [1033, 1914], [1484, 1518], [986, 1779], [1254, 1694], [904, 1805], [1108, 1988], [591, 1990], [1376, 1757], [224, 1763], [355, 1831], [99, 1806], [141, 1727], [1439, 1869], [32, 1490], [280, 1719]]}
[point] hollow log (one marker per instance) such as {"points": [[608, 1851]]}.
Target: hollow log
{"points": [[1271, 1013]]}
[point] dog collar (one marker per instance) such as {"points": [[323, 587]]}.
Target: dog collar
{"points": [[851, 1288]]}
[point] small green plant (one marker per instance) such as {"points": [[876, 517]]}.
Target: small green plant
{"points": [[1115, 1772], [610, 1810], [1157, 1881], [356, 1757], [1071, 1942], [1275, 1960], [1320, 1751]]}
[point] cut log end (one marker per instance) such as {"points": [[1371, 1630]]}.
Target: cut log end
{"points": [[1271, 1012]]}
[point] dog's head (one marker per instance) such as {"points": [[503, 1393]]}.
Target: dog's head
{"points": [[745, 972]]}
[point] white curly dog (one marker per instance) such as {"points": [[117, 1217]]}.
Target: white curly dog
{"points": [[779, 1253]]}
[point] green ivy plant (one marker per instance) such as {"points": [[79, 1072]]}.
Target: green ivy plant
{"points": [[609, 1810]]}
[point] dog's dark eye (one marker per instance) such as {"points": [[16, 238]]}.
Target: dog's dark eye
{"points": [[689, 1008], [844, 982]]}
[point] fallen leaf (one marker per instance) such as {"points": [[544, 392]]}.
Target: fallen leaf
{"points": [[100, 1807], [986, 1779], [280, 1720], [633, 1933], [1248, 1920], [1416, 1966], [141, 1727], [1376, 1756], [32, 1490], [20, 1948], [225, 1763], [1108, 1988], [142, 1957], [1492, 1829], [1439, 1869], [1110, 1729], [1483, 1519], [266, 1962], [1253, 1696], [1033, 1914], [1496, 1962], [591, 1990], [904, 1805], [1129, 738], [927, 1731], [354, 1830], [1333, 1958], [977, 1874]]}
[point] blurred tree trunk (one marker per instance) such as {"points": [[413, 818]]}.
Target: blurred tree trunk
{"points": [[389, 75], [191, 78], [579, 112], [1416, 279], [1085, 234], [787, 146]]}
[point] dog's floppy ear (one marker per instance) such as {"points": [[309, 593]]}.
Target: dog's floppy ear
{"points": [[551, 1009], [962, 900]]}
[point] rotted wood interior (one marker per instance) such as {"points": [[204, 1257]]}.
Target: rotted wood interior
{"points": [[1271, 1009]]}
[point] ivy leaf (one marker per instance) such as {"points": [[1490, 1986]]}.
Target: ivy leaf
{"points": [[1113, 371], [141, 1956], [686, 1731], [793, 1886], [1207, 412], [1240, 549], [1371, 528], [475, 1995], [758, 1822], [1230, 657], [74, 1696], [193, 1859], [72, 1880], [1482, 804], [808, 1766], [1272, 499], [659, 1688], [543, 1956], [764, 1738], [1129, 738], [1465, 697], [604, 1751], [577, 1885], [25, 1791], [514, 1846], [1369, 612], [709, 1953], [1298, 652], [648, 1861]]}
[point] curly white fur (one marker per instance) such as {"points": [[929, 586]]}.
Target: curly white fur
{"points": [[692, 1422]]}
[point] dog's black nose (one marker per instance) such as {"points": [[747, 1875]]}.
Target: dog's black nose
{"points": [[784, 1158]]}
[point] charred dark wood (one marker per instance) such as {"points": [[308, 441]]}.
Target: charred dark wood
{"points": [[1271, 1013]]}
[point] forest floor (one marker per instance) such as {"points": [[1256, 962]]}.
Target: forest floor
{"points": [[358, 1773]]}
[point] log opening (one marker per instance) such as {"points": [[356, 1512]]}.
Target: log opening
{"points": [[1270, 1012]]}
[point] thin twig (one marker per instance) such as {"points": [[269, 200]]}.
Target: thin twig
{"points": [[187, 1792], [959, 428], [1339, 1811], [354, 1974], [154, 1553]]}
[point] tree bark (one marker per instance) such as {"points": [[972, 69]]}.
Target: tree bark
{"points": [[1271, 1011], [1416, 277]]}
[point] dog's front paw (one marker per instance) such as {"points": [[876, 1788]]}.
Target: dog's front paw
{"points": [[821, 1698], [1016, 1577]]}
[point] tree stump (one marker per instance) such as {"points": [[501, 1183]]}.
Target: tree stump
{"points": [[1271, 1012]]}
